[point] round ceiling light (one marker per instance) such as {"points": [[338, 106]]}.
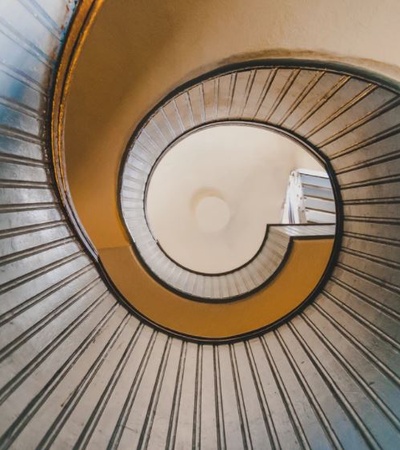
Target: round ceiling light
{"points": [[212, 214]]}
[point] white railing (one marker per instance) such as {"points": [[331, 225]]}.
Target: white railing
{"points": [[309, 198]]}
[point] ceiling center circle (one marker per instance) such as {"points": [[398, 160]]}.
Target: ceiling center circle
{"points": [[212, 214]]}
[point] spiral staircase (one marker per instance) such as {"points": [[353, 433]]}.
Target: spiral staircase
{"points": [[82, 366]]}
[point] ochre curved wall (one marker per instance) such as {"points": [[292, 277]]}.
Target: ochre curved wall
{"points": [[295, 282], [139, 51]]}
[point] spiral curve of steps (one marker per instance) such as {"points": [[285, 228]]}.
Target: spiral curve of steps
{"points": [[78, 370]]}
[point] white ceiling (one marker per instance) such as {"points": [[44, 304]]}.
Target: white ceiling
{"points": [[213, 193]]}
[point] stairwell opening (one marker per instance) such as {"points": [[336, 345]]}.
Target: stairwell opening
{"points": [[212, 193]]}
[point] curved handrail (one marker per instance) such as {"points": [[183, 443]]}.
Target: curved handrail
{"points": [[136, 171], [83, 19]]}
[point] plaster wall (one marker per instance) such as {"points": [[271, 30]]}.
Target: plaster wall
{"points": [[139, 51]]}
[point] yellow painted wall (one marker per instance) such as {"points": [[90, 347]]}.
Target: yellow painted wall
{"points": [[298, 278], [140, 50]]}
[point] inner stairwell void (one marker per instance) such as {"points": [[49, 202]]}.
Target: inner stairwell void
{"points": [[80, 367]]}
